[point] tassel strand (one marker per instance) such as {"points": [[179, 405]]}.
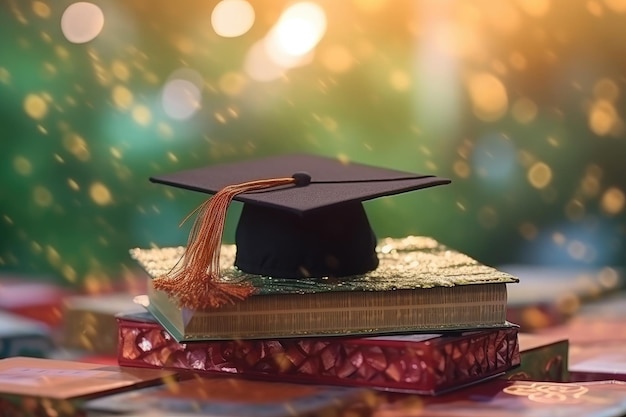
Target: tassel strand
{"points": [[196, 283]]}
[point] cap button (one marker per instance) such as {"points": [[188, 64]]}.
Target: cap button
{"points": [[302, 179]]}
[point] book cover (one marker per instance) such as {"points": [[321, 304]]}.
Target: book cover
{"points": [[517, 399], [49, 378], [419, 285], [39, 386], [543, 358], [225, 397], [421, 363], [21, 336]]}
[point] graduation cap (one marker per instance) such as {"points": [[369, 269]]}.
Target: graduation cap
{"points": [[302, 217]]}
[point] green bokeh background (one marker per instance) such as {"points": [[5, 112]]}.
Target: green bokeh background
{"points": [[406, 101]]}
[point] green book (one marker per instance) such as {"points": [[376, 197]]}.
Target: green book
{"points": [[419, 285]]}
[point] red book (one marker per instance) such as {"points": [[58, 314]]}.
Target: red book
{"points": [[425, 364], [500, 398], [35, 387]]}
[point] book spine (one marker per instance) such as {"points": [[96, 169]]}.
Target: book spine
{"points": [[425, 367]]}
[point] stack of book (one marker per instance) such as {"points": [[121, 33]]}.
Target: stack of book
{"points": [[437, 325]]}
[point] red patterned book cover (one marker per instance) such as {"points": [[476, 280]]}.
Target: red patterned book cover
{"points": [[426, 364], [500, 398]]}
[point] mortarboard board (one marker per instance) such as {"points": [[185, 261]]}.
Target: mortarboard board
{"points": [[302, 217]]}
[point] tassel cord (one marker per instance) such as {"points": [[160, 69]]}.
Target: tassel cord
{"points": [[196, 281]]}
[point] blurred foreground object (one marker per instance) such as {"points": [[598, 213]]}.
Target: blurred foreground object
{"points": [[20, 336], [47, 387], [89, 321], [226, 397]]}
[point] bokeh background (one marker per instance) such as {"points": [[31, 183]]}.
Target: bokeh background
{"points": [[519, 102]]}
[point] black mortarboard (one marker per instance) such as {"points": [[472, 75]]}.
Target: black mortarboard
{"points": [[302, 217]]}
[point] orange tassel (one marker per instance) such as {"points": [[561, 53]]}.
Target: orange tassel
{"points": [[197, 282]]}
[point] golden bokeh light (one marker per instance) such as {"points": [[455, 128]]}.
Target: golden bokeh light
{"points": [[142, 115], [606, 89], [100, 194], [41, 9], [73, 184], [488, 95], [35, 106], [42, 196], [297, 32], [461, 169], [120, 70], [61, 52], [539, 175], [115, 152], [122, 97], [603, 118], [53, 256], [69, 273], [77, 146], [613, 201], [232, 18], [22, 165]]}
